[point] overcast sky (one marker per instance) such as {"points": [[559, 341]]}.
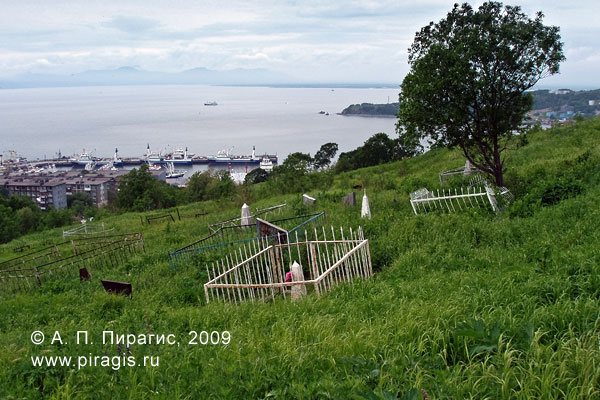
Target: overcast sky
{"points": [[318, 41]]}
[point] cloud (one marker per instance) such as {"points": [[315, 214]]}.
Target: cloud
{"points": [[132, 24], [359, 39]]}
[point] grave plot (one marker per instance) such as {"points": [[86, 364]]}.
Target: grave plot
{"points": [[78, 258], [452, 201], [235, 222], [227, 236], [263, 271], [467, 172], [87, 230]]}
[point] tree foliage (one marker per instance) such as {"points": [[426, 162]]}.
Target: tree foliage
{"points": [[293, 174], [378, 149], [140, 191], [257, 175], [210, 184], [324, 155], [469, 73]]}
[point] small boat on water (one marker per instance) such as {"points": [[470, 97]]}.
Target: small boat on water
{"points": [[90, 166], [173, 173], [154, 167], [211, 103]]}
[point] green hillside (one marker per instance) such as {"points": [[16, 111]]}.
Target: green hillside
{"points": [[464, 305]]}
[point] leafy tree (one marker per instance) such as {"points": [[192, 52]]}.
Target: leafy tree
{"points": [[9, 224], [140, 191], [134, 187], [296, 162], [210, 184], [325, 154], [79, 202], [378, 149], [291, 175], [196, 186], [54, 218], [221, 186], [469, 73], [84, 198], [28, 220], [19, 202], [255, 176]]}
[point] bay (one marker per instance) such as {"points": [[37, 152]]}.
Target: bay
{"points": [[37, 123]]}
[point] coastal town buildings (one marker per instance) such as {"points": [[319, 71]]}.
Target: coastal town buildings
{"points": [[52, 189], [44, 191]]}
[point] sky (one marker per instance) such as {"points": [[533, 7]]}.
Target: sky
{"points": [[309, 40]]}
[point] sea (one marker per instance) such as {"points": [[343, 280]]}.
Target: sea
{"points": [[41, 123]]}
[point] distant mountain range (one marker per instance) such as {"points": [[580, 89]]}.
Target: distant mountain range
{"points": [[136, 76]]}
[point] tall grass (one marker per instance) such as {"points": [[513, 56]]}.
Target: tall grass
{"points": [[469, 305]]}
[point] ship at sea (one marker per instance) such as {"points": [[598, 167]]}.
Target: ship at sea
{"points": [[179, 156], [226, 157], [89, 162], [153, 157]]}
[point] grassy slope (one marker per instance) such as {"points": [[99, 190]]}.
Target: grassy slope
{"points": [[467, 305]]}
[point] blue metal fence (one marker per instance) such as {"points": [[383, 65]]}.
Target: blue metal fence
{"points": [[232, 236]]}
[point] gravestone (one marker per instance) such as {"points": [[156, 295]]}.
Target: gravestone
{"points": [[307, 200], [297, 291], [246, 219], [84, 275], [267, 229], [349, 199], [115, 287], [366, 210]]}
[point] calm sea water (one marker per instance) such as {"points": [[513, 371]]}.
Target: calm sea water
{"points": [[37, 123]]}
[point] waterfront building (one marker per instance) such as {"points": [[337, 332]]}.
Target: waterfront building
{"points": [[44, 191]]}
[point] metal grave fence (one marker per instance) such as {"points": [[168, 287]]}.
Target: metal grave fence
{"points": [[467, 171], [231, 236], [256, 271], [425, 201], [236, 222], [87, 230], [68, 259]]}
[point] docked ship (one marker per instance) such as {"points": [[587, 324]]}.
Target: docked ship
{"points": [[153, 157], [83, 159], [225, 157], [116, 161], [89, 162], [266, 164], [179, 156]]}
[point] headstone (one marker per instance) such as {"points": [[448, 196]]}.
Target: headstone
{"points": [[349, 199], [84, 275], [115, 287], [366, 210], [298, 291], [307, 200], [266, 229], [467, 169], [247, 219]]}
